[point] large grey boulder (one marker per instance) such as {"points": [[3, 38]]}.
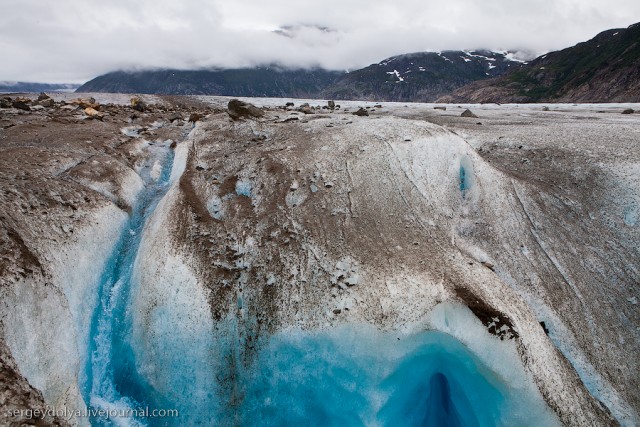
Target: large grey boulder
{"points": [[239, 109]]}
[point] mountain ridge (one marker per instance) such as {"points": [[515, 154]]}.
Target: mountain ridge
{"points": [[247, 82], [420, 76], [436, 73], [18, 87], [605, 68]]}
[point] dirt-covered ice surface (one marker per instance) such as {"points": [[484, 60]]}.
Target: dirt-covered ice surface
{"points": [[407, 219]]}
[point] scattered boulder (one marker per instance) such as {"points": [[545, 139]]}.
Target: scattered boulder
{"points": [[5, 102], [289, 104], [194, 117], [69, 107], [238, 109], [628, 111], [43, 96], [138, 104], [92, 113], [86, 103], [47, 102], [361, 112], [468, 113], [545, 108], [443, 108], [175, 116], [21, 104], [331, 105], [306, 109]]}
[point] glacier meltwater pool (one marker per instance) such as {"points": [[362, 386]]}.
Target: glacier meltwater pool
{"points": [[352, 375], [357, 376]]}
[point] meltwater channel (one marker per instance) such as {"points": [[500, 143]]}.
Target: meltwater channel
{"points": [[110, 380], [352, 375]]}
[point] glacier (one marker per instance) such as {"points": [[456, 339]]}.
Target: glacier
{"points": [[407, 268]]}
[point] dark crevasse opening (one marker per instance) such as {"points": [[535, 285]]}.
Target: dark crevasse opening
{"points": [[431, 403], [443, 384], [439, 409]]}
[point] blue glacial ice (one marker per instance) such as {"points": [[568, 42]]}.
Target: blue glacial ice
{"points": [[243, 188], [355, 375]]}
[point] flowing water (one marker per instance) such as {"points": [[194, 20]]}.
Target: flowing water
{"points": [[110, 380]]}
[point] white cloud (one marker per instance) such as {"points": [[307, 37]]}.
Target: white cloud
{"points": [[73, 40]]}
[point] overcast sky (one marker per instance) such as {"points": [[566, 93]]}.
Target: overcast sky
{"points": [[75, 40]]}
